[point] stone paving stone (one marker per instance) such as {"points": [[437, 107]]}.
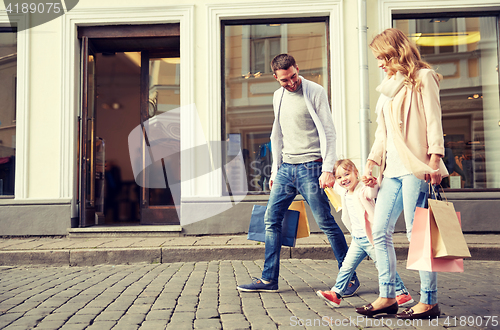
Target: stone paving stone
{"points": [[109, 316], [15, 327], [179, 325], [24, 307], [27, 321], [185, 308], [81, 318], [58, 316], [207, 313], [132, 318], [182, 317], [139, 309], [90, 310], [164, 303], [73, 326], [234, 321], [157, 315], [153, 325], [181, 241], [207, 324], [101, 325], [8, 318], [50, 325], [229, 309]]}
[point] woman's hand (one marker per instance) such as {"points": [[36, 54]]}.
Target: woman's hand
{"points": [[367, 178], [434, 177]]}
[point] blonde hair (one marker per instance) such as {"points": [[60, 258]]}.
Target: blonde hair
{"points": [[346, 164], [400, 54]]}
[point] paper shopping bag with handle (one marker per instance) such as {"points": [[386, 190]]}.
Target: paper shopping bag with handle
{"points": [[257, 228], [303, 229], [448, 241], [334, 198], [420, 250]]}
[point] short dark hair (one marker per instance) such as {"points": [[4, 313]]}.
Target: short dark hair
{"points": [[282, 62]]}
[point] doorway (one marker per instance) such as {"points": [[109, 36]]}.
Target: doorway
{"points": [[130, 75]]}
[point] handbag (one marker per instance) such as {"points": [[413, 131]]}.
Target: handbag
{"points": [[303, 229], [334, 198], [257, 228], [420, 250], [447, 238]]}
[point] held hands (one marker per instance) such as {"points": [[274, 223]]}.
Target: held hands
{"points": [[327, 179], [367, 178]]}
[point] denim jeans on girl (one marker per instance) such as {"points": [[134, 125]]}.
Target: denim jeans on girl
{"points": [[395, 195], [290, 180], [358, 250]]}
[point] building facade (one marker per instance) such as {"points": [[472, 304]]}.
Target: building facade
{"points": [[117, 115]]}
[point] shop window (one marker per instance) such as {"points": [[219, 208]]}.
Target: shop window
{"points": [[248, 87], [464, 49], [8, 79]]}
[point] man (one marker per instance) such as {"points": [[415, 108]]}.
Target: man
{"points": [[303, 144]]}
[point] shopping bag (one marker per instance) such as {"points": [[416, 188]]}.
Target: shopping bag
{"points": [[447, 239], [257, 228], [303, 229], [420, 250], [334, 198]]}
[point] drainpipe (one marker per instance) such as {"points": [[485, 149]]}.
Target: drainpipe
{"points": [[364, 95]]}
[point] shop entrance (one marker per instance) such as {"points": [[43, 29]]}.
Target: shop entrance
{"points": [[129, 77]]}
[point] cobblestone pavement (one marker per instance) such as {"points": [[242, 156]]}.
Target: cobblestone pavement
{"points": [[203, 295]]}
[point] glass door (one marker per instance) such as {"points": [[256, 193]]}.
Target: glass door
{"points": [[87, 164], [160, 123]]}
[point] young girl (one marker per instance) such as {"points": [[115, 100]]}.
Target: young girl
{"points": [[357, 215]]}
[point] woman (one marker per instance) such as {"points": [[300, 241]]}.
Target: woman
{"points": [[408, 148]]}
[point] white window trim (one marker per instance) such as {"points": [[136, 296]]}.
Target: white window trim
{"points": [[387, 8], [22, 103], [70, 71], [262, 10]]}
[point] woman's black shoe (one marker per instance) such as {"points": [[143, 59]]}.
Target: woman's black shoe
{"points": [[367, 310], [408, 314]]}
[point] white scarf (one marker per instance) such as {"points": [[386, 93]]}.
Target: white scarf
{"points": [[388, 88]]}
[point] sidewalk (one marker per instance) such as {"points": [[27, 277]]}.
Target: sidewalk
{"points": [[128, 250]]}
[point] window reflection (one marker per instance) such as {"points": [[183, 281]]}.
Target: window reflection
{"points": [[8, 80], [465, 51], [249, 86], [164, 96]]}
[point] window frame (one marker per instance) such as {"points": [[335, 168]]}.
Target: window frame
{"points": [[262, 10], [250, 22]]}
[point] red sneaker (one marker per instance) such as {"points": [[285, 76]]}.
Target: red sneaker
{"points": [[330, 297], [404, 299]]}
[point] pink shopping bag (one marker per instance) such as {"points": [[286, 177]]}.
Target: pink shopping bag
{"points": [[420, 256]]}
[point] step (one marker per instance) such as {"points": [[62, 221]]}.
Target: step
{"points": [[126, 231]]}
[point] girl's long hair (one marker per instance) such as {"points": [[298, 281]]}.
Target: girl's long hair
{"points": [[400, 54]]}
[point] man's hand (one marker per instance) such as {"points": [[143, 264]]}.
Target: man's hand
{"points": [[327, 179]]}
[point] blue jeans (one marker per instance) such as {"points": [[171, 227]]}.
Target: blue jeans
{"points": [[395, 195], [358, 250], [290, 180]]}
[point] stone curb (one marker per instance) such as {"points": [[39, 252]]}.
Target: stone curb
{"points": [[116, 256]]}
